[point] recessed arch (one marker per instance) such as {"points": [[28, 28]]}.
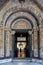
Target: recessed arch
{"points": [[22, 17], [22, 10], [21, 24]]}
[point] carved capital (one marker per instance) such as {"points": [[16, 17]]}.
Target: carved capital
{"points": [[30, 32], [12, 32]]}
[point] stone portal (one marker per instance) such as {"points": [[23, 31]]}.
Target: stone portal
{"points": [[21, 45]]}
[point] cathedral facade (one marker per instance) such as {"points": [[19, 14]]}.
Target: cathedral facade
{"points": [[21, 29]]}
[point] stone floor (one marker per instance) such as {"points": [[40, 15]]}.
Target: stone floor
{"points": [[21, 63]]}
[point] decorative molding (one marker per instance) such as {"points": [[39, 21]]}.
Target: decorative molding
{"points": [[3, 4], [35, 11], [38, 4]]}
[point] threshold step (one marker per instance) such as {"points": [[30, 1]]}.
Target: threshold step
{"points": [[26, 60]]}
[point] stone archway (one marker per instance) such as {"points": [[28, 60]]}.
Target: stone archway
{"points": [[22, 26], [28, 15]]}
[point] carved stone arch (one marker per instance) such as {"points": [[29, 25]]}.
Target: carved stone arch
{"points": [[22, 18], [29, 10], [21, 14], [21, 24], [34, 16], [25, 7]]}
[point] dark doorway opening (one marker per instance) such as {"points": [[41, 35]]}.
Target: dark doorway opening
{"points": [[21, 45]]}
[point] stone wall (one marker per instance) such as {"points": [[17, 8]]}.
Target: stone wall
{"points": [[8, 43], [1, 42], [41, 41]]}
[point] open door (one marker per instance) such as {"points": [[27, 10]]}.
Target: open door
{"points": [[21, 45]]}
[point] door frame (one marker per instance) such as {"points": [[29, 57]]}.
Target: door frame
{"points": [[22, 31]]}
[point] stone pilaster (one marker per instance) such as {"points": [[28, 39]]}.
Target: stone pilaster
{"points": [[8, 42], [41, 41], [35, 45], [1, 42]]}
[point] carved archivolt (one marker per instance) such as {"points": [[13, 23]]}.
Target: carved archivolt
{"points": [[22, 6], [21, 24]]}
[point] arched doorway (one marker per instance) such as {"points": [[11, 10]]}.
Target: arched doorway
{"points": [[21, 39], [22, 44], [32, 23]]}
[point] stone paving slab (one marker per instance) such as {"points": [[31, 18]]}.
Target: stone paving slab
{"points": [[5, 61], [21, 60], [21, 63]]}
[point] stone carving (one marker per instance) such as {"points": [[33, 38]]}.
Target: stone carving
{"points": [[21, 24]]}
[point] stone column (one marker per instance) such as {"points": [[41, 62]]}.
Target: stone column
{"points": [[30, 34], [13, 43], [4, 42], [38, 41], [35, 43]]}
